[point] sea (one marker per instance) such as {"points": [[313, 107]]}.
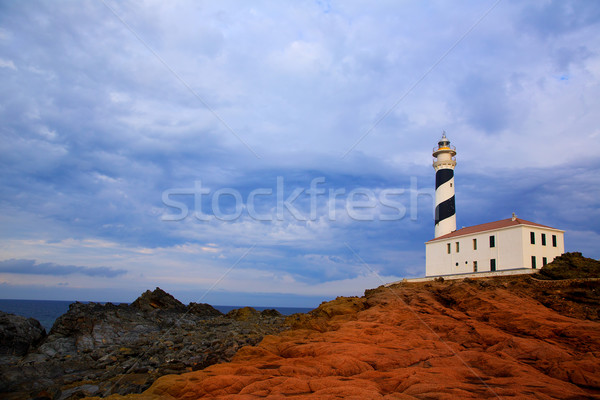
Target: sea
{"points": [[47, 311]]}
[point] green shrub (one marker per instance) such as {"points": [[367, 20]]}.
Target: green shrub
{"points": [[570, 266]]}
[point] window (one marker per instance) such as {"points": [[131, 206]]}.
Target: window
{"points": [[457, 247], [474, 244], [474, 266], [544, 261], [449, 248], [543, 239], [532, 237], [533, 262], [493, 264], [492, 241], [553, 240]]}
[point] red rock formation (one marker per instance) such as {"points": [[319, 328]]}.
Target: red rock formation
{"points": [[442, 340]]}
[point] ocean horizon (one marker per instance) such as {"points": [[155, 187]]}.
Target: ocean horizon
{"points": [[47, 311]]}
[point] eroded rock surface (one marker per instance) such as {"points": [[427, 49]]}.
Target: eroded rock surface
{"points": [[468, 339]]}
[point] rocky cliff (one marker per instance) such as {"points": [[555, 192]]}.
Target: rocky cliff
{"points": [[506, 337], [100, 349]]}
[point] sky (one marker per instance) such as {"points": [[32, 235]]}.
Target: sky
{"points": [[279, 153]]}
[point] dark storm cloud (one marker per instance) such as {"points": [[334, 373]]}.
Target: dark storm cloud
{"points": [[553, 18], [564, 198], [31, 267]]}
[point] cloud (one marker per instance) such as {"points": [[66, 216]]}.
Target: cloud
{"points": [[7, 64], [554, 18], [31, 267], [95, 129], [485, 102]]}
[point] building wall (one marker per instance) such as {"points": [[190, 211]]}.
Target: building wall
{"points": [[509, 245], [512, 249], [538, 249]]}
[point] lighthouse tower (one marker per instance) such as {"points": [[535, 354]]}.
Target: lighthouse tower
{"points": [[444, 163]]}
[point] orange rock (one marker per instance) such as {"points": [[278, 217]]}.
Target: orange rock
{"points": [[466, 340]]}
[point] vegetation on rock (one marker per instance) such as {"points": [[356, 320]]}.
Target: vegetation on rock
{"points": [[571, 266]]}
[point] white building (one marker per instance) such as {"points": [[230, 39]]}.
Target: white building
{"points": [[509, 244]]}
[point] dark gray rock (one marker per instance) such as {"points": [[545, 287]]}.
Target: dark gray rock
{"points": [[86, 390], [104, 349], [157, 300], [203, 310], [19, 334]]}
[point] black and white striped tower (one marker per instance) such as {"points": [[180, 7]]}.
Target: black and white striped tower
{"points": [[444, 163]]}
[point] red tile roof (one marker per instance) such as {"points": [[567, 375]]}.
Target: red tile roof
{"points": [[504, 223]]}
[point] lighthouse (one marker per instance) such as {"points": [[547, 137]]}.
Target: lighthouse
{"points": [[444, 163], [510, 246]]}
